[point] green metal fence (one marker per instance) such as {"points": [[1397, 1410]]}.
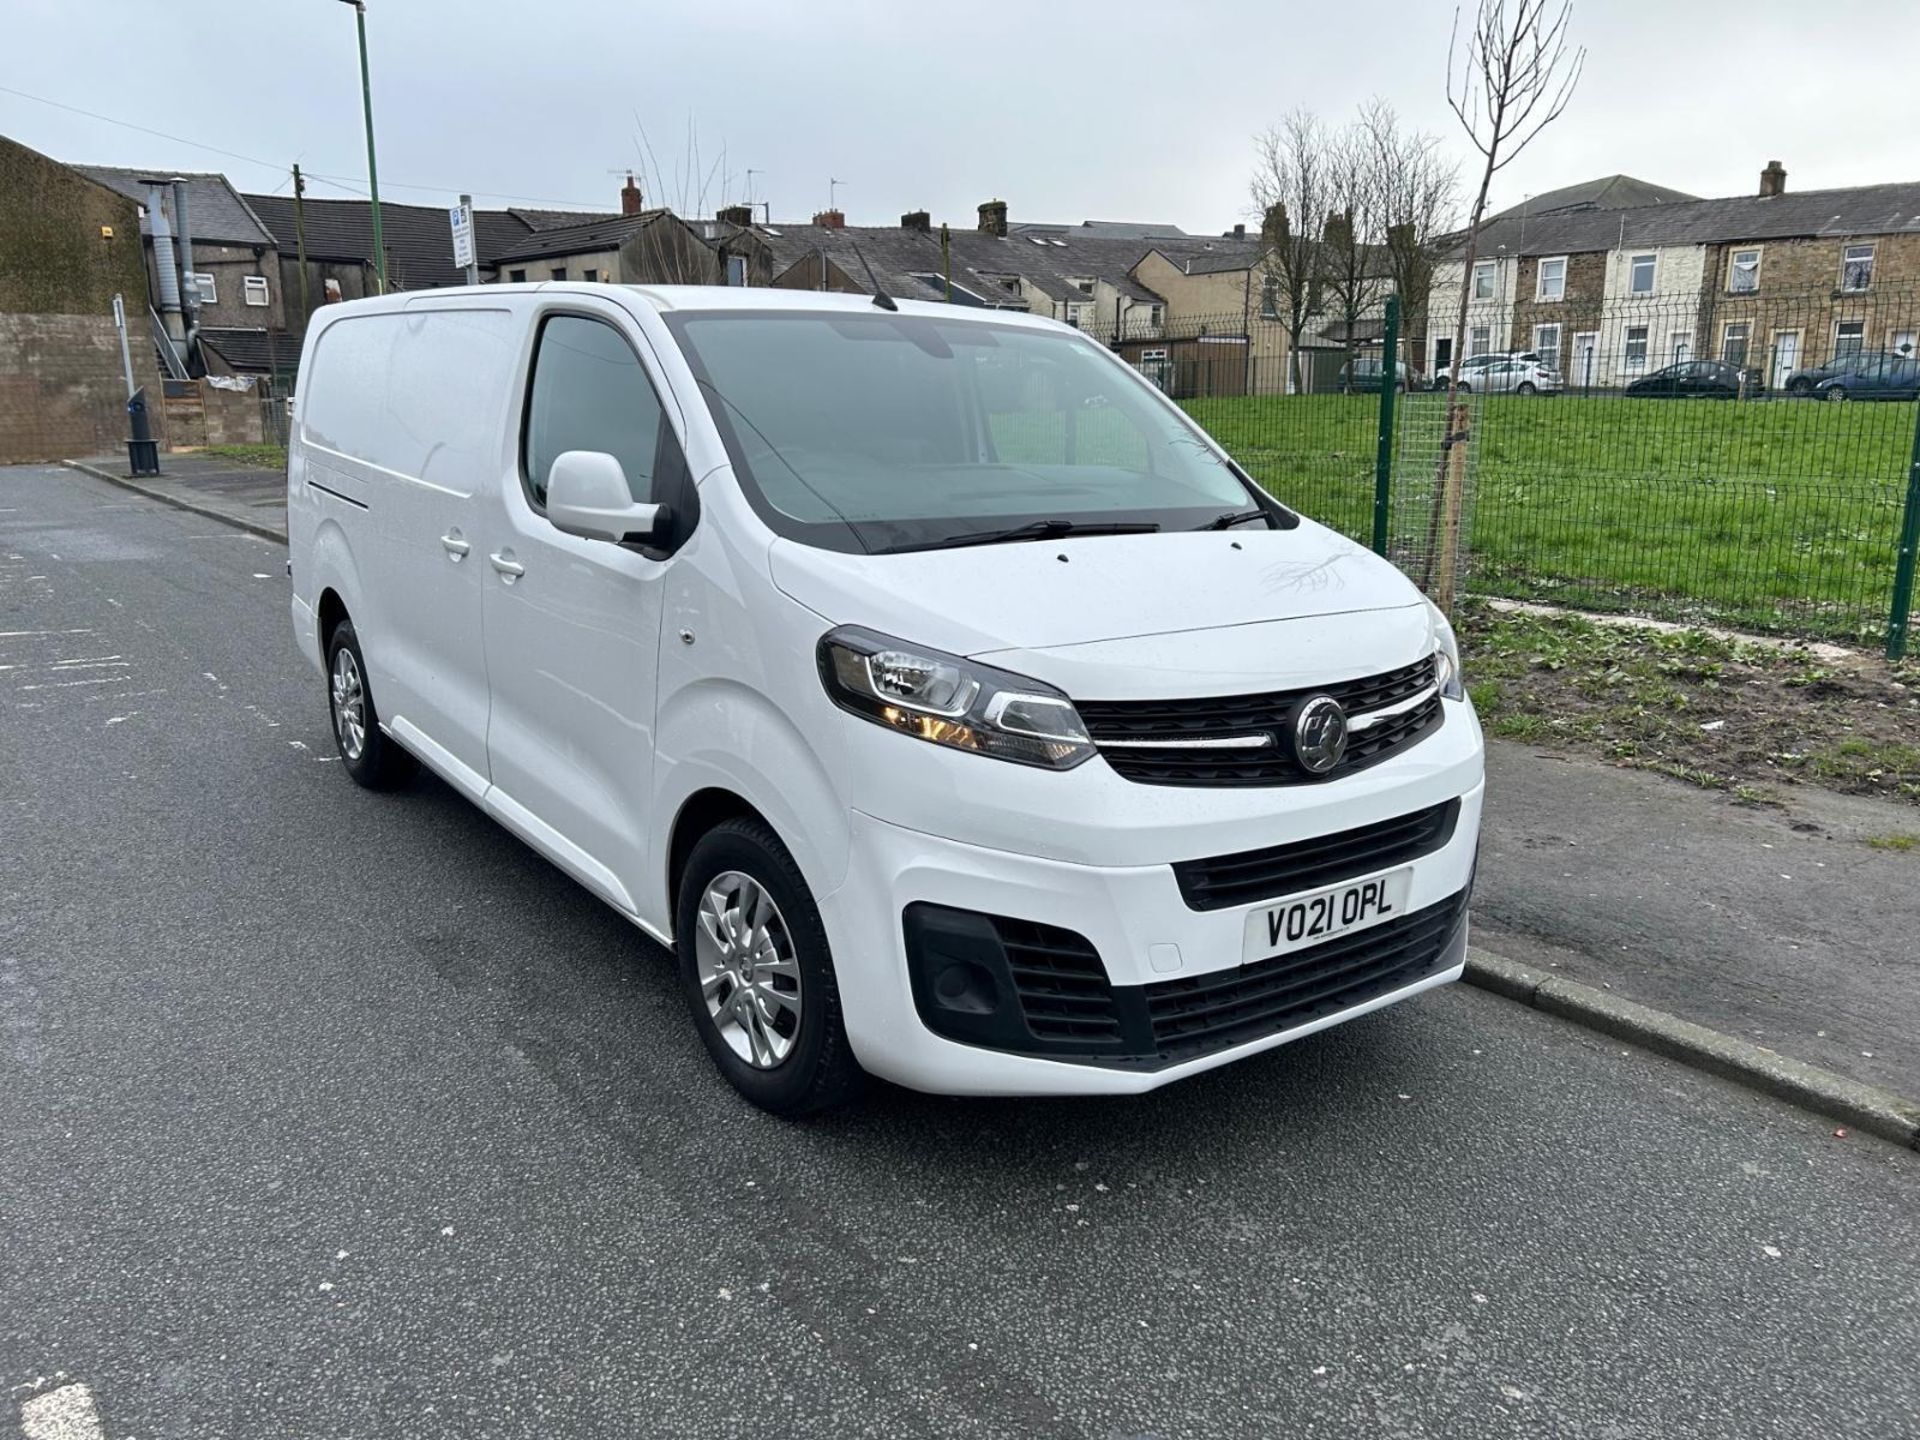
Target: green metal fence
{"points": [[1782, 508]]}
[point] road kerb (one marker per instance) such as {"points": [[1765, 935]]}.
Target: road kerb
{"points": [[226, 517], [1864, 1107]]}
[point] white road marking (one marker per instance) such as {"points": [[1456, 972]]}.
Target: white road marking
{"points": [[63, 1414], [15, 634], [69, 684]]}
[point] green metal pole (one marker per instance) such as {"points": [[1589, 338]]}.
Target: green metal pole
{"points": [[1909, 548], [1383, 455], [373, 170]]}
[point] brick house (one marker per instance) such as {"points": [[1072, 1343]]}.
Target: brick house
{"points": [[68, 245]]}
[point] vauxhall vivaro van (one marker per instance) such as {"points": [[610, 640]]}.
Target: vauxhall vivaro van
{"points": [[952, 705]]}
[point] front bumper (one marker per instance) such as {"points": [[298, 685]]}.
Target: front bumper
{"points": [[1150, 943]]}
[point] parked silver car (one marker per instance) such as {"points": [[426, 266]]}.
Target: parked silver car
{"points": [[1515, 377], [1474, 364]]}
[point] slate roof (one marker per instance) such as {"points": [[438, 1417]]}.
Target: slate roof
{"points": [[558, 219], [1100, 229], [608, 233], [260, 351], [1048, 261], [1609, 192], [215, 210], [418, 239], [1859, 210]]}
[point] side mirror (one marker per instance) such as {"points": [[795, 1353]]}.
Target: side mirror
{"points": [[587, 495]]}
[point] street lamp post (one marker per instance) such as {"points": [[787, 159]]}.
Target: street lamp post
{"points": [[373, 170]]}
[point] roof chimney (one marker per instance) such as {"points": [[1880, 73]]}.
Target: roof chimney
{"points": [[630, 199], [831, 219], [741, 215], [1239, 232], [993, 218], [918, 220], [1773, 179]]}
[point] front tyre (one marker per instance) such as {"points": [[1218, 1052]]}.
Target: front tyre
{"points": [[370, 755], [757, 973], [1837, 394]]}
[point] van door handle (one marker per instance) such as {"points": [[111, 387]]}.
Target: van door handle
{"points": [[454, 545], [504, 562]]}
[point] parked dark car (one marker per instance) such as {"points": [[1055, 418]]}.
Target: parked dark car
{"points": [[1707, 379], [1886, 378], [1806, 381], [1365, 377]]}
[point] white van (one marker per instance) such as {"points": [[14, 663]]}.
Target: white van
{"points": [[956, 709]]}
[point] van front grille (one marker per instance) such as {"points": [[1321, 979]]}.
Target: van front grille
{"points": [[1153, 742], [1251, 875]]}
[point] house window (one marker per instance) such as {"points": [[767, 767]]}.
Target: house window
{"points": [[1733, 342], [1480, 340], [1640, 275], [1856, 267], [1270, 299], [589, 274], [1679, 346], [1849, 338], [518, 277], [208, 291], [1636, 347], [1546, 343], [1156, 315], [559, 272], [736, 270], [1743, 275], [1085, 287], [1484, 272], [253, 289], [1553, 279]]}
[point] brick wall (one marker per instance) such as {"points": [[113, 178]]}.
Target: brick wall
{"points": [[1799, 291], [1580, 308], [62, 393], [61, 388]]}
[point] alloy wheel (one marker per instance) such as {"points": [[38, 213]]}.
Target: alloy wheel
{"points": [[749, 976], [349, 704]]}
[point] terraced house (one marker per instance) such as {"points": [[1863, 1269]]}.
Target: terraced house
{"points": [[1774, 282]]}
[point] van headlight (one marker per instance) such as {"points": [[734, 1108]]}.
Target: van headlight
{"points": [[1447, 646], [949, 701]]}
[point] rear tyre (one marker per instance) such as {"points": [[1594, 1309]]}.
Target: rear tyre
{"points": [[1837, 393], [370, 755], [1526, 387], [757, 973], [1801, 388]]}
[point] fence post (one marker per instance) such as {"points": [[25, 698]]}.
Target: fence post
{"points": [[1904, 564], [1383, 454]]}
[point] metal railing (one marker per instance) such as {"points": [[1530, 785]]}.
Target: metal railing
{"points": [[1749, 459]]}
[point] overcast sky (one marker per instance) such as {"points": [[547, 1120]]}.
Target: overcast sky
{"points": [[1069, 109]]}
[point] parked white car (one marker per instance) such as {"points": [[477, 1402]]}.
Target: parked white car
{"points": [[1471, 367], [1515, 376], [953, 706]]}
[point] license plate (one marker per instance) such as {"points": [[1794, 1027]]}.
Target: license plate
{"points": [[1311, 919]]}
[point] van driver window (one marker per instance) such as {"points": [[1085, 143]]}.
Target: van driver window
{"points": [[589, 393]]}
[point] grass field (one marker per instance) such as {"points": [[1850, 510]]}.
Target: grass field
{"points": [[1778, 515]]}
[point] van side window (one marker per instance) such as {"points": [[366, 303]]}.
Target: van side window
{"points": [[589, 393]]}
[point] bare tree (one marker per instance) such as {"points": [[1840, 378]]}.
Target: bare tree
{"points": [[1511, 80], [1417, 190], [1351, 270], [1290, 190]]}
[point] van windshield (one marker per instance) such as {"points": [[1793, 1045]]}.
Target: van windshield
{"points": [[883, 432]]}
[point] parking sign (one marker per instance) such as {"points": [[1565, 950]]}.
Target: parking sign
{"points": [[461, 217]]}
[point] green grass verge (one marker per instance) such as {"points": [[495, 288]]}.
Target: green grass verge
{"points": [[1779, 515], [267, 457]]}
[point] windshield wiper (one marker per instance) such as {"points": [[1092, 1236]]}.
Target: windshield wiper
{"points": [[1234, 517], [1038, 530]]}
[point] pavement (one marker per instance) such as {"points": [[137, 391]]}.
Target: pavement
{"points": [[249, 496], [1778, 925], [328, 1113]]}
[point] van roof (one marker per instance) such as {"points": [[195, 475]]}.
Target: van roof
{"points": [[703, 298]]}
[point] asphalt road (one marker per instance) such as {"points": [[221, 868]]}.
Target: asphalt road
{"points": [[329, 1114]]}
